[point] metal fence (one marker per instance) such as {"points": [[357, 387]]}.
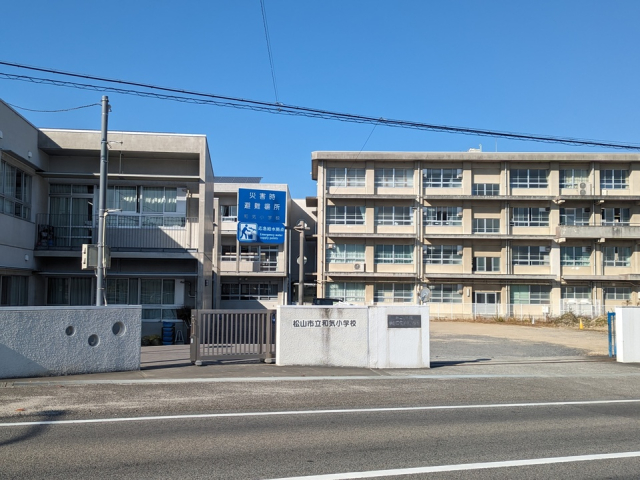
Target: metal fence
{"points": [[446, 311], [122, 232], [232, 334]]}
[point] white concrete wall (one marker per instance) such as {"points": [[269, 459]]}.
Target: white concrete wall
{"points": [[351, 336], [628, 334], [37, 341], [337, 336], [398, 347]]}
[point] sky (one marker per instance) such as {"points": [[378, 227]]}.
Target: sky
{"points": [[565, 68]]}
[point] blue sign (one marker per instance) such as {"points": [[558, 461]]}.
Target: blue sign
{"points": [[261, 216]]}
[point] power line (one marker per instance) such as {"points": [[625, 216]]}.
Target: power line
{"points": [[187, 96], [266, 34], [52, 111]]}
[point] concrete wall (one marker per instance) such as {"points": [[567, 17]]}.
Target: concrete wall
{"points": [[628, 335], [351, 336], [44, 341]]}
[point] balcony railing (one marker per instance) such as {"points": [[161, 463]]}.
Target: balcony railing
{"points": [[618, 230], [122, 232]]}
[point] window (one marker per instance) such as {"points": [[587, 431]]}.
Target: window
{"points": [[575, 256], [266, 255], [530, 256], [617, 256], [529, 178], [345, 253], [394, 177], [530, 294], [70, 291], [15, 191], [576, 293], [345, 215], [445, 293], [393, 293], [486, 225], [146, 207], [573, 177], [617, 293], [229, 213], [530, 217], [486, 264], [442, 254], [345, 177], [575, 216], [117, 291], [442, 178], [14, 290], [394, 216], [442, 216], [157, 297], [614, 179], [393, 254], [249, 291], [616, 216], [346, 291], [70, 215], [484, 189]]}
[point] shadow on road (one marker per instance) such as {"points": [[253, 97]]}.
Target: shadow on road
{"points": [[35, 430]]}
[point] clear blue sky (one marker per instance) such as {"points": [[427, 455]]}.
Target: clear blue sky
{"points": [[567, 68]]}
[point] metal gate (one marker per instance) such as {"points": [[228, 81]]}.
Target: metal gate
{"points": [[232, 334]]}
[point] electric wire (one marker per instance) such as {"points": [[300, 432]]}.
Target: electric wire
{"points": [[52, 111], [284, 109], [267, 36]]}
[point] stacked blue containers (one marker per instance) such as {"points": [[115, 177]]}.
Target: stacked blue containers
{"points": [[168, 333]]}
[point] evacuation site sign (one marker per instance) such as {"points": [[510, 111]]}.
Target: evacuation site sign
{"points": [[261, 216]]}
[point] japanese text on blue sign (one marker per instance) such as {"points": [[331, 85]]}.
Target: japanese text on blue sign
{"points": [[261, 216]]}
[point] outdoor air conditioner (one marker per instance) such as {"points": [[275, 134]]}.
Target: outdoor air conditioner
{"points": [[583, 186], [358, 266]]}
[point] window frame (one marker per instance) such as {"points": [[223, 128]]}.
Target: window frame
{"points": [[393, 216], [393, 177], [442, 216], [346, 177], [529, 257], [529, 178], [345, 253], [530, 216], [442, 177], [442, 254], [346, 291], [530, 295], [393, 293], [612, 257], [393, 254], [346, 215], [614, 179]]}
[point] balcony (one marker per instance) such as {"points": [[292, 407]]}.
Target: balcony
{"points": [[621, 230], [122, 233]]}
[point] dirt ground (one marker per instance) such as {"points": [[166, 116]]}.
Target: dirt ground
{"points": [[592, 341]]}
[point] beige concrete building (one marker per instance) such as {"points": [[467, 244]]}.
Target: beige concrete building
{"points": [[529, 234], [257, 275], [159, 227]]}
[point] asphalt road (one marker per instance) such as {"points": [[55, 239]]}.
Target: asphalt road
{"points": [[282, 428]]}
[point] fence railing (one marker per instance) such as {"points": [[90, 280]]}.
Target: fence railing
{"points": [[445, 311], [229, 334], [122, 232]]}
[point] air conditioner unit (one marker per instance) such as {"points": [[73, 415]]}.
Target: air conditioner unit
{"points": [[583, 186], [358, 266]]}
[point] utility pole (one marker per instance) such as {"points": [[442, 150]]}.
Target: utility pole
{"points": [[102, 202], [301, 227]]}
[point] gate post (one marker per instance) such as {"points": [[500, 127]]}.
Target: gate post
{"points": [[194, 339], [270, 320], [611, 322]]}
